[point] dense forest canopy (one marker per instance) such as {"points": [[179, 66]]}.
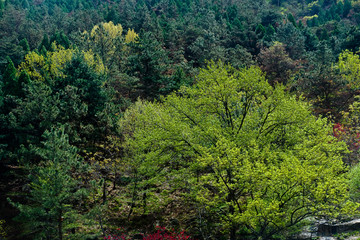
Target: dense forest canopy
{"points": [[230, 119]]}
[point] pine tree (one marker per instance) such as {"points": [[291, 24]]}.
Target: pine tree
{"points": [[2, 5], [24, 79], [55, 189], [340, 8], [150, 63], [346, 8], [45, 43], [25, 45], [25, 4], [61, 39], [9, 78], [292, 19]]}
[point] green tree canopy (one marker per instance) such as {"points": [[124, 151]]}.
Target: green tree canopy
{"points": [[252, 154]]}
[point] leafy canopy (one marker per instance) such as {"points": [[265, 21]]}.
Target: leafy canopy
{"points": [[253, 154], [53, 63], [349, 66]]}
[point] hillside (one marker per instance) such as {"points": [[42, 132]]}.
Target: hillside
{"points": [[210, 119]]}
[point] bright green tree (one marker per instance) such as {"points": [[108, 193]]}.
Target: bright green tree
{"points": [[108, 42], [349, 66], [252, 154], [56, 188]]}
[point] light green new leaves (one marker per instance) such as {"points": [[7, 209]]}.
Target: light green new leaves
{"points": [[253, 154], [349, 66]]}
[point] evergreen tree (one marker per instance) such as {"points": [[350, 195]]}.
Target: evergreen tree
{"points": [[293, 39], [311, 40], [56, 189], [346, 8], [84, 100], [340, 8], [292, 19], [352, 41], [25, 4], [270, 17], [61, 39], [30, 117], [45, 43], [10, 82], [25, 45], [148, 62], [23, 80]]}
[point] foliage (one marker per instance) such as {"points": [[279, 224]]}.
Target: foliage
{"points": [[72, 64], [51, 65], [276, 63], [238, 146], [54, 187], [131, 36], [107, 41], [293, 40], [323, 84], [2, 229], [76, 98], [11, 30], [349, 66], [10, 81], [354, 176], [348, 131], [149, 63], [161, 234], [34, 65]]}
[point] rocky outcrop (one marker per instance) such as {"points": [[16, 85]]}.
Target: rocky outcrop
{"points": [[327, 229], [324, 230]]}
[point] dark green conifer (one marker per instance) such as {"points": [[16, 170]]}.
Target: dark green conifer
{"points": [[25, 45], [54, 187], [346, 8], [291, 19], [23, 79], [10, 82], [45, 43]]}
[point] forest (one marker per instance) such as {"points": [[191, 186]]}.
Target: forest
{"points": [[178, 119]]}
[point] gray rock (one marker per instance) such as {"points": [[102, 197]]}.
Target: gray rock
{"points": [[327, 229]]}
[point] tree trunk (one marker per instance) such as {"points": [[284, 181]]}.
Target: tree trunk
{"points": [[233, 226], [104, 191], [60, 226]]}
